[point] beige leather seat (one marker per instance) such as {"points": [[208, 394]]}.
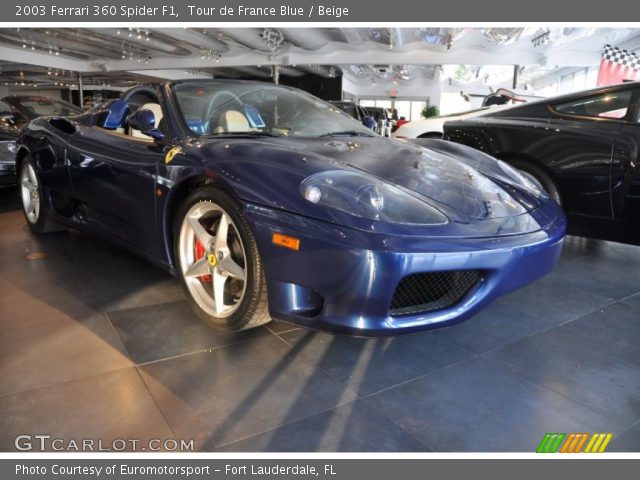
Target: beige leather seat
{"points": [[157, 113], [232, 121]]}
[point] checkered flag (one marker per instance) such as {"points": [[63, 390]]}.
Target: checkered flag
{"points": [[618, 65]]}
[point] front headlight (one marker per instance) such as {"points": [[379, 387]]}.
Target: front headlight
{"points": [[367, 197]]}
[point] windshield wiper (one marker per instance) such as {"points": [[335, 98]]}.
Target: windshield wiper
{"points": [[347, 133], [244, 134]]}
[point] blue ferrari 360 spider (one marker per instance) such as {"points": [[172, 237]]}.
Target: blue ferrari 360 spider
{"points": [[268, 203]]}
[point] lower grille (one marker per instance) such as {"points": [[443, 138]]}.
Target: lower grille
{"points": [[432, 291]]}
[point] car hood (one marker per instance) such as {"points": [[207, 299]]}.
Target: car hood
{"points": [[468, 182]]}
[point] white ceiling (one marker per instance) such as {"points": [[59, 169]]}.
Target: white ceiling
{"points": [[111, 56]]}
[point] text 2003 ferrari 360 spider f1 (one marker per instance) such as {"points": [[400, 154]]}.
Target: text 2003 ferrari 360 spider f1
{"points": [[269, 203]]}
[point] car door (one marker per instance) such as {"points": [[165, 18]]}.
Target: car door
{"points": [[581, 150], [113, 176], [625, 167]]}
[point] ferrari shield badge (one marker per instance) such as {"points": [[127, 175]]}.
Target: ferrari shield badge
{"points": [[212, 259], [171, 154]]}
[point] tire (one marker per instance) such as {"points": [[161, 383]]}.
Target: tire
{"points": [[548, 183], [35, 204], [223, 277]]}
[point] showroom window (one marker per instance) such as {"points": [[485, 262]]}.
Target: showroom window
{"points": [[409, 109], [404, 109], [608, 105]]}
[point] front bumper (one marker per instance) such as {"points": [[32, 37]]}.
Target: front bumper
{"points": [[343, 280], [8, 173]]}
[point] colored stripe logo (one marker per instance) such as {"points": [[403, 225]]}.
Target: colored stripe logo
{"points": [[574, 442]]}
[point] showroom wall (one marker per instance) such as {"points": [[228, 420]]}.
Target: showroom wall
{"points": [[324, 87], [380, 91], [49, 92]]}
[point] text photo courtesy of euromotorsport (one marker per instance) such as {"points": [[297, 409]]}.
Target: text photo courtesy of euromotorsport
{"points": [[181, 470], [137, 11]]}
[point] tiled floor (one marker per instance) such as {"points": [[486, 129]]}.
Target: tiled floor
{"points": [[96, 343]]}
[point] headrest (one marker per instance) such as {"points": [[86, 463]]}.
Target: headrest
{"points": [[234, 121]]}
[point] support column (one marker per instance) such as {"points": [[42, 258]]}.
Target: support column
{"points": [[80, 91]]}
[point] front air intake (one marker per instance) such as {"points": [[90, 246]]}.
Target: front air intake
{"points": [[432, 291]]}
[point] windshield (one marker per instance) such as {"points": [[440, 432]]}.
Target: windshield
{"points": [[376, 112], [231, 107], [47, 107], [348, 108]]}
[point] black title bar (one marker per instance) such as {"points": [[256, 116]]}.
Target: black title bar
{"points": [[266, 11]]}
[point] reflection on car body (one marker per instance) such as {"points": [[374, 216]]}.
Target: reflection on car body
{"points": [[268, 203]]}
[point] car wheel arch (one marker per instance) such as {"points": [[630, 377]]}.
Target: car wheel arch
{"points": [[533, 167], [178, 195], [20, 156], [431, 134]]}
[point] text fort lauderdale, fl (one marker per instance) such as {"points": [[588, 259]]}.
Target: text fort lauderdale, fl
{"points": [[173, 470]]}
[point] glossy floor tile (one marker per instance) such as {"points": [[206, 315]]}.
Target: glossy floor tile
{"points": [[97, 343], [629, 441], [165, 330], [58, 350], [589, 371], [371, 365], [109, 406], [230, 393], [479, 406], [355, 427], [498, 325], [618, 325]]}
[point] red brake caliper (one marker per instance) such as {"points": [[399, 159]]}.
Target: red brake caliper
{"points": [[200, 253]]}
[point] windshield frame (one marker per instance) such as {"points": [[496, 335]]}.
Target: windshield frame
{"points": [[17, 102], [189, 133]]}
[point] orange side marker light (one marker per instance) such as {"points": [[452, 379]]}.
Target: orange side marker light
{"points": [[286, 241]]}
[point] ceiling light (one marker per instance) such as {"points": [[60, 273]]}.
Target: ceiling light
{"points": [[541, 39], [273, 38]]}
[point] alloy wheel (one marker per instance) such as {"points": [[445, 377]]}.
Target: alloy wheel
{"points": [[212, 259]]}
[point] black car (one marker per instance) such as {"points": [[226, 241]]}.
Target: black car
{"points": [[583, 148], [356, 111], [382, 118], [15, 111]]}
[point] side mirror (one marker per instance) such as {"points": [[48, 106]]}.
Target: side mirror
{"points": [[145, 121]]}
